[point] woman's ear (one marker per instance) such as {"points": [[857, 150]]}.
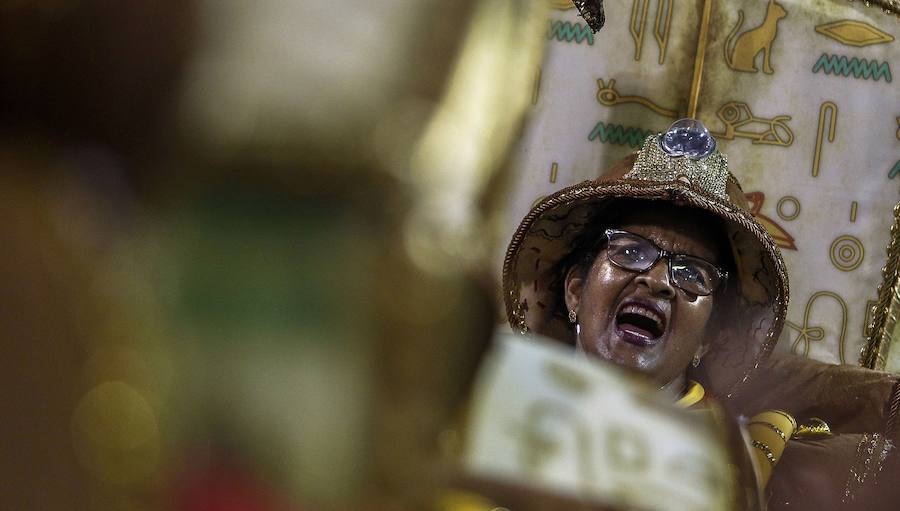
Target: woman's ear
{"points": [[573, 287]]}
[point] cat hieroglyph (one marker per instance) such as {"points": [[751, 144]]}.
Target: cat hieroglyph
{"points": [[742, 55]]}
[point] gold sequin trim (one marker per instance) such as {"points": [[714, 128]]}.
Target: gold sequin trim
{"points": [[765, 449], [771, 426], [710, 174], [871, 452]]}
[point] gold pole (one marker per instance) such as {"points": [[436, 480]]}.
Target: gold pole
{"points": [[698, 59]]}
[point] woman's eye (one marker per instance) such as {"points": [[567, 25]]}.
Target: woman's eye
{"points": [[691, 274], [633, 253]]}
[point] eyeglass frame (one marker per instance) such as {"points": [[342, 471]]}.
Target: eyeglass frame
{"points": [[663, 253]]}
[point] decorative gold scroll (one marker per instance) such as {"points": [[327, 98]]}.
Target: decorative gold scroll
{"points": [[740, 122], [884, 318]]}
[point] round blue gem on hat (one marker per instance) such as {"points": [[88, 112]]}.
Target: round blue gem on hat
{"points": [[688, 137]]}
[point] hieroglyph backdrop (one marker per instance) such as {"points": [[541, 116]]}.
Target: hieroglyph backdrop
{"points": [[801, 96]]}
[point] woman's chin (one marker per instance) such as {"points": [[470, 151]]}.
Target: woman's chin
{"points": [[626, 352]]}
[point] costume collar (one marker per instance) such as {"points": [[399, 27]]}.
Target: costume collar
{"points": [[693, 395]]}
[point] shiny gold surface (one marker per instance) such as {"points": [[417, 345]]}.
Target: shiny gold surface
{"points": [[699, 56], [876, 352]]}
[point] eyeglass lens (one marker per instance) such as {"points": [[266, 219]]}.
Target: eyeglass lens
{"points": [[636, 253]]}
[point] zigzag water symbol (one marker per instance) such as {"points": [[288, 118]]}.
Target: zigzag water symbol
{"points": [[894, 171], [859, 68], [568, 32], [618, 134]]}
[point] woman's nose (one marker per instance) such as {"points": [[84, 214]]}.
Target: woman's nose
{"points": [[657, 280]]}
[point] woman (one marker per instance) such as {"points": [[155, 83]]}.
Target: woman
{"points": [[659, 267], [641, 293]]}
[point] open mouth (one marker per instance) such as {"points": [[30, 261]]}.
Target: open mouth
{"points": [[640, 324]]}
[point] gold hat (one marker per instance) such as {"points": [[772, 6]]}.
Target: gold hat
{"points": [[681, 166]]}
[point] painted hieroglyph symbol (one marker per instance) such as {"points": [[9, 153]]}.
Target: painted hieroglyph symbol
{"points": [[568, 32], [618, 134], [536, 88], [847, 252], [830, 110], [609, 96], [806, 333], [661, 28], [895, 170], [737, 117], [782, 238], [554, 168], [854, 206], [854, 33], [782, 209], [741, 56], [841, 65], [562, 5], [898, 128]]}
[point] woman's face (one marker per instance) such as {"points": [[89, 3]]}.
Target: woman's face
{"points": [[641, 320]]}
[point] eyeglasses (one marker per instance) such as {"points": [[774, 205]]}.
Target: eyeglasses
{"points": [[636, 253]]}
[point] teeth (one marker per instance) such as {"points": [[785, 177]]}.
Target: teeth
{"points": [[643, 311]]}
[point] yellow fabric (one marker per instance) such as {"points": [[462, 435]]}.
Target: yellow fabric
{"points": [[692, 395], [762, 428], [457, 500]]}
